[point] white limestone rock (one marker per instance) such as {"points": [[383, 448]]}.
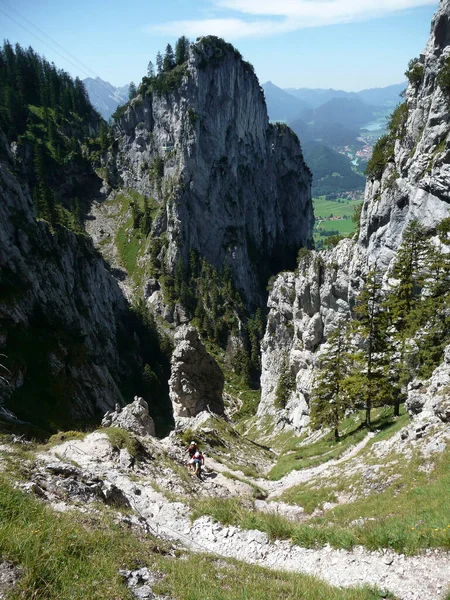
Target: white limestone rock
{"points": [[134, 418], [235, 188], [196, 380]]}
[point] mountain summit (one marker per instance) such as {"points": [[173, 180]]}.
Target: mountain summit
{"points": [[105, 97]]}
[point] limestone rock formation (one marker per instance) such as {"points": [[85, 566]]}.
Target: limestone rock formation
{"points": [[134, 418], [416, 184], [61, 316], [413, 185], [303, 308], [196, 381], [431, 399], [230, 185]]}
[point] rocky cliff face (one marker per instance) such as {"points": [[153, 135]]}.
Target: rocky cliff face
{"points": [[414, 185], [63, 318], [230, 185], [196, 381], [303, 308]]}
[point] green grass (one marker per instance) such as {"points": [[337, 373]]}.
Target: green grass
{"points": [[68, 556], [119, 438], [257, 492], [297, 457], [64, 436], [131, 242], [323, 207], [346, 228], [408, 513]]}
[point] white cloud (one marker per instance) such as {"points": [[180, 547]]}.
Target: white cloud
{"points": [[226, 28], [286, 15]]}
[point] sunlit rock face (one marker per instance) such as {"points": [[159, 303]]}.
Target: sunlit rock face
{"points": [[303, 307], [231, 186]]}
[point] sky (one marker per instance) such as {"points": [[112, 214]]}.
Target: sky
{"points": [[342, 44]]}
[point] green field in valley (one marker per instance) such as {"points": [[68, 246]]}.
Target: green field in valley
{"points": [[328, 210]]}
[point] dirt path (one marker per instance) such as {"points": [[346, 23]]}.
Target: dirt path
{"points": [[275, 489], [424, 577]]}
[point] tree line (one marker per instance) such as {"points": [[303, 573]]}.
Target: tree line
{"points": [[27, 79], [42, 107], [399, 329]]}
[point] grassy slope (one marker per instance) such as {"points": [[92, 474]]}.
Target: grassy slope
{"points": [[409, 517], [75, 556], [407, 508]]}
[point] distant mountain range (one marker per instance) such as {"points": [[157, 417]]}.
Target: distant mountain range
{"points": [[105, 97], [327, 120], [386, 96], [328, 105]]}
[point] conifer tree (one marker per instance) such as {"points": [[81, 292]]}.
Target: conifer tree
{"points": [[181, 50], [132, 92], [404, 306], [150, 69], [169, 59], [330, 399], [146, 221], [408, 272], [159, 63], [368, 379]]}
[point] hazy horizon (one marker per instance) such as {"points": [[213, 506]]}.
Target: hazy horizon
{"points": [[339, 44]]}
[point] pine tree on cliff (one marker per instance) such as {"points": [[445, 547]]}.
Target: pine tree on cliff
{"points": [[181, 50], [409, 275], [330, 399], [404, 307], [159, 63], [369, 378], [169, 59], [132, 92]]}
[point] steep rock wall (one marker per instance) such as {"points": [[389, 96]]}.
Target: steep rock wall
{"points": [[232, 186], [414, 185], [62, 317]]}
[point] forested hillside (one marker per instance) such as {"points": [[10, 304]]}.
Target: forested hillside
{"points": [[332, 171], [50, 118]]}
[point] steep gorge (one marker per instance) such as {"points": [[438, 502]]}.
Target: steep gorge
{"points": [[221, 182]]}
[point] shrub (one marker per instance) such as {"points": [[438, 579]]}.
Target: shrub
{"points": [[383, 153], [286, 385], [414, 73], [333, 240], [397, 121], [304, 258], [119, 438], [443, 77]]}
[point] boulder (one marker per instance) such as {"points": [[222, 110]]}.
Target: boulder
{"points": [[431, 398], [196, 381], [134, 418]]}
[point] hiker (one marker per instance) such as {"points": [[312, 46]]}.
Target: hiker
{"points": [[192, 449], [198, 462]]}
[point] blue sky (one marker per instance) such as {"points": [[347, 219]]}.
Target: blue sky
{"points": [[346, 44]]}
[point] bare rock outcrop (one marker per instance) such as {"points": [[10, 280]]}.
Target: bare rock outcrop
{"points": [[134, 418], [60, 302], [303, 309], [431, 398], [231, 186], [196, 382], [414, 184]]}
